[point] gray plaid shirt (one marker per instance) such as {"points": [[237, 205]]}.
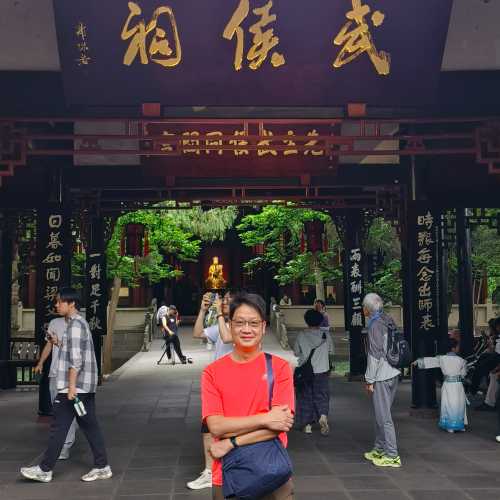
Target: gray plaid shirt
{"points": [[77, 351]]}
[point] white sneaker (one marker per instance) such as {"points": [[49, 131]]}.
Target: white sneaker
{"points": [[64, 454], [95, 474], [36, 474], [497, 438], [203, 481], [324, 428], [308, 429]]}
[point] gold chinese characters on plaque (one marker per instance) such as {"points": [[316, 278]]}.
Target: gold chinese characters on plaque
{"points": [[286, 144], [149, 41], [83, 58], [252, 28]]}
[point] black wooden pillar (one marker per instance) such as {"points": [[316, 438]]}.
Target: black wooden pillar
{"points": [[7, 380], [425, 293], [53, 253], [352, 225], [96, 297], [466, 301]]}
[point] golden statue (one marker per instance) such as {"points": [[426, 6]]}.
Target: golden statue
{"points": [[215, 280]]}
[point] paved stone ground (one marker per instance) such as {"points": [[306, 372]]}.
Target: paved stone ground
{"points": [[150, 415]]}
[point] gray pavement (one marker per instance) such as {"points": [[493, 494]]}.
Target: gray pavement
{"points": [[150, 415]]}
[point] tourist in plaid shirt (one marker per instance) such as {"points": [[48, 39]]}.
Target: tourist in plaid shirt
{"points": [[77, 351], [76, 377]]}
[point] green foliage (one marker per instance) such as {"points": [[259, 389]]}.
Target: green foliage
{"points": [[78, 270], [279, 228], [165, 237], [208, 225], [486, 255], [301, 268], [171, 232], [386, 280], [382, 238]]}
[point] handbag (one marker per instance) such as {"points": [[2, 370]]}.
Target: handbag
{"points": [[255, 470], [304, 374]]}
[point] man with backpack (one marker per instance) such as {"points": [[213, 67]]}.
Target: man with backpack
{"points": [[382, 378]]}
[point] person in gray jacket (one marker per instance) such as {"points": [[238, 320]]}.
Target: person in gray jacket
{"points": [[381, 383]]}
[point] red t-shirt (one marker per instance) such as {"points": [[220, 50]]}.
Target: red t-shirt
{"points": [[234, 389]]}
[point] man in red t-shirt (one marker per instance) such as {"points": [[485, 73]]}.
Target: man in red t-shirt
{"points": [[234, 392]]}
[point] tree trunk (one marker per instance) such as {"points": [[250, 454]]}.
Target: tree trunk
{"points": [[107, 366], [320, 285]]}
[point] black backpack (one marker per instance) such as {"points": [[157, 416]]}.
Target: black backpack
{"points": [[398, 349]]}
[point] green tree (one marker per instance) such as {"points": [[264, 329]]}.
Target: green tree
{"points": [[279, 227], [486, 257], [170, 232], [386, 280]]}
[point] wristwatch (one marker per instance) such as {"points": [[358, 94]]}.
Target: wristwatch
{"points": [[233, 441]]}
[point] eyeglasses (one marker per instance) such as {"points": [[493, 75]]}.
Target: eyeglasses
{"points": [[253, 324]]}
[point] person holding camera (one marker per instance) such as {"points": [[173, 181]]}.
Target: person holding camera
{"points": [[170, 325], [220, 335]]}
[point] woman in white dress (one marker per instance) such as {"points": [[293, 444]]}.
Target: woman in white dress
{"points": [[453, 401]]}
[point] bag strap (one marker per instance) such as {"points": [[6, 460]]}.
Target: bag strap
{"points": [[311, 354], [270, 377]]}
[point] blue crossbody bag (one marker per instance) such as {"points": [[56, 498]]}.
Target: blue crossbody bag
{"points": [[255, 470]]}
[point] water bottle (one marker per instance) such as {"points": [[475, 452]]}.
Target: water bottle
{"points": [[79, 408]]}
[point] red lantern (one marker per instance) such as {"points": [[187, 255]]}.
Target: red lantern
{"points": [[302, 242], [146, 244], [132, 244], [314, 232], [259, 249]]}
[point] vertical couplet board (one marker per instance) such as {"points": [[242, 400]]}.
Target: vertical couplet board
{"points": [[53, 263], [97, 296], [426, 243], [53, 248]]}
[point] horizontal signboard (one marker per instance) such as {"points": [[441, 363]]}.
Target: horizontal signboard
{"points": [[251, 52]]}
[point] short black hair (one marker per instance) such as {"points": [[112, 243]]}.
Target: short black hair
{"points": [[497, 322], [313, 317], [248, 299], [69, 294], [322, 302], [452, 344]]}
